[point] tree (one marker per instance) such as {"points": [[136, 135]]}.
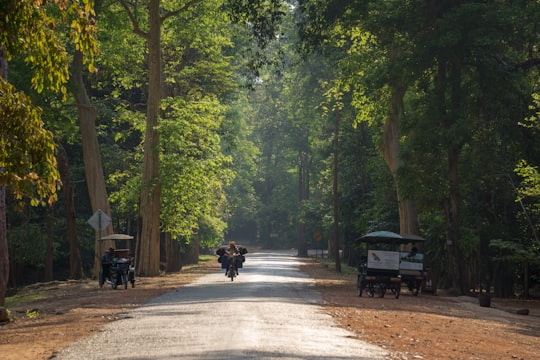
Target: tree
{"points": [[91, 155], [424, 69], [148, 25], [524, 251], [464, 73], [148, 239], [372, 36], [276, 185], [27, 160], [194, 169], [75, 262], [241, 196], [199, 84]]}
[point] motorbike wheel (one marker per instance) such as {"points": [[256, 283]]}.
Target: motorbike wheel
{"points": [[131, 277], [101, 279], [115, 278]]}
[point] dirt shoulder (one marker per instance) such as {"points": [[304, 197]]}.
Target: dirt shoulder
{"points": [[411, 327], [67, 311], [432, 326]]}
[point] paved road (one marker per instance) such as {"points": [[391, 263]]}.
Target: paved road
{"points": [[270, 311]]}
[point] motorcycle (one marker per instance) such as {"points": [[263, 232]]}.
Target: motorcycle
{"points": [[232, 270], [231, 262]]}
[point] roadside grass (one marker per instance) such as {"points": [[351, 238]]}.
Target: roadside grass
{"points": [[30, 293], [22, 298]]}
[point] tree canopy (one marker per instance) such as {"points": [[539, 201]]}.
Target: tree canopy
{"points": [[27, 156]]}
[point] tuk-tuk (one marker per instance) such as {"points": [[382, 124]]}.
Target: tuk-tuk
{"points": [[118, 266], [386, 264]]}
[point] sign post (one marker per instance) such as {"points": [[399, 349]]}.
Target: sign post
{"points": [[99, 221]]}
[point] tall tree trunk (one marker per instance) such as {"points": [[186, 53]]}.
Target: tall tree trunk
{"points": [[303, 194], [49, 252], [449, 97], [408, 217], [91, 156], [302, 246], [148, 240], [4, 256], [337, 259], [75, 263], [408, 220], [451, 211], [173, 254]]}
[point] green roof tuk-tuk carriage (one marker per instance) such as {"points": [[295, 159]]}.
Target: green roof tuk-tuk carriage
{"points": [[385, 264]]}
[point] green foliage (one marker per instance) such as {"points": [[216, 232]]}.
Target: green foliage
{"points": [[193, 169], [533, 121], [530, 185], [276, 182], [32, 313], [211, 230], [29, 27], [241, 196], [262, 17], [192, 165], [514, 251], [119, 46], [27, 156], [123, 159], [27, 245], [27, 150], [456, 65]]}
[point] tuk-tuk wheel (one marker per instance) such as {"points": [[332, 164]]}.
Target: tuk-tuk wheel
{"points": [[397, 291], [359, 285], [101, 280], [370, 290], [382, 290]]}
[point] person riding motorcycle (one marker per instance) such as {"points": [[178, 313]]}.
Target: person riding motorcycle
{"points": [[232, 254]]}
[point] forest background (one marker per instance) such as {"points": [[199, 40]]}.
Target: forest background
{"points": [[278, 124]]}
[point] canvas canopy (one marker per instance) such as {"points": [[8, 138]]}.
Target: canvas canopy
{"points": [[389, 237]]}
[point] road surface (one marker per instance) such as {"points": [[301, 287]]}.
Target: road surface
{"points": [[270, 311]]}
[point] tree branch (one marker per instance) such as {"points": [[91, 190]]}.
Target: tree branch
{"points": [[186, 6], [527, 64], [136, 28]]}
